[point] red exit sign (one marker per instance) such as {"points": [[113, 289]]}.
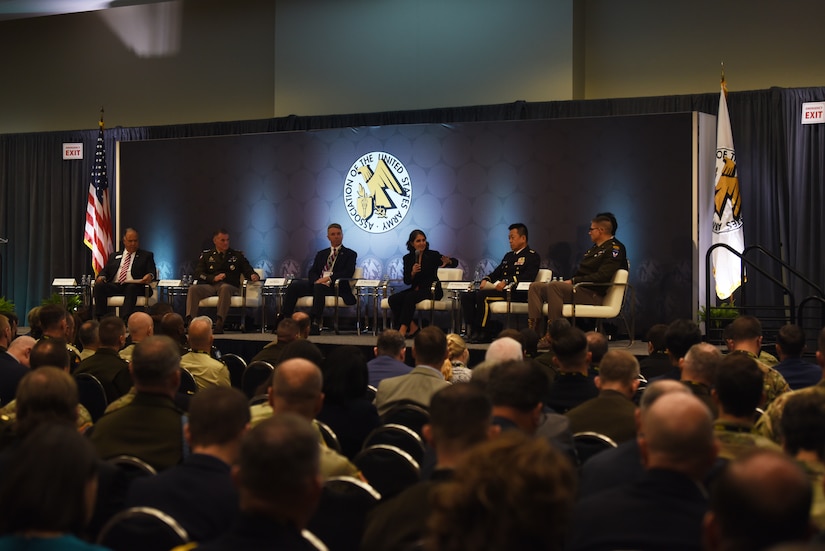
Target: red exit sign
{"points": [[72, 151], [813, 112]]}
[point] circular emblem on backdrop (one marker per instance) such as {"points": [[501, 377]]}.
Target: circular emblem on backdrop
{"points": [[377, 192]]}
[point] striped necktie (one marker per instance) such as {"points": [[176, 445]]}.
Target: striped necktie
{"points": [[124, 268], [331, 259]]}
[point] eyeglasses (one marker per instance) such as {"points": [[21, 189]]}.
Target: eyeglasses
{"points": [[592, 230]]}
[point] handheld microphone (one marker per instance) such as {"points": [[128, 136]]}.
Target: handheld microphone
{"points": [[418, 257]]}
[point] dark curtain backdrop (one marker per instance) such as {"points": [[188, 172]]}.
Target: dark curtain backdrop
{"points": [[781, 169]]}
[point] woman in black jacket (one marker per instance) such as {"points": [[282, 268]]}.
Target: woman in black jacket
{"points": [[420, 271]]}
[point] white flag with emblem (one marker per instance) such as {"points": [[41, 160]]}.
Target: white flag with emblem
{"points": [[727, 207]]}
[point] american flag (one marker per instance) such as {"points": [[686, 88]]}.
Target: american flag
{"points": [[98, 232]]}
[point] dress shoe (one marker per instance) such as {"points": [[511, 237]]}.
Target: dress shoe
{"points": [[314, 329], [544, 343], [218, 327]]}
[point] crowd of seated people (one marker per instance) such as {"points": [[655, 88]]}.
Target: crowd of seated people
{"points": [[716, 452]]}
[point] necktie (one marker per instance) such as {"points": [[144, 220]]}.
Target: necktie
{"points": [[331, 259], [124, 268]]}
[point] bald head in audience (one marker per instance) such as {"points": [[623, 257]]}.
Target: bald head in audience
{"points": [[677, 434], [141, 325], [297, 387], [21, 349]]}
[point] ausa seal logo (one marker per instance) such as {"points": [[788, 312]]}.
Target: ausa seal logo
{"points": [[377, 192]]}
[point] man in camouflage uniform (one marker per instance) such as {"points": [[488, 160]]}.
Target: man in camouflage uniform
{"points": [[769, 424], [744, 335], [218, 273], [738, 389]]}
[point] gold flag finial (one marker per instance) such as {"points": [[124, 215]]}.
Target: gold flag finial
{"points": [[100, 124]]}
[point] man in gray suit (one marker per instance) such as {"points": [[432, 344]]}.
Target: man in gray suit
{"points": [[419, 385]]}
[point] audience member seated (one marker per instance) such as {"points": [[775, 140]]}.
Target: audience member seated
{"points": [[768, 424], [738, 391], [744, 334], [457, 357], [418, 386], [390, 352], [11, 371], [460, 419], [110, 369], [172, 326], [150, 427], [287, 332], [89, 338], [502, 349], [657, 361], [790, 344], [199, 492], [47, 495], [573, 384], [597, 345], [699, 367], [49, 353], [346, 409], [680, 335], [140, 325], [623, 464], [51, 322], [297, 388], [206, 370], [611, 413], [664, 508], [21, 348], [803, 438], [512, 492], [759, 501], [279, 486]]}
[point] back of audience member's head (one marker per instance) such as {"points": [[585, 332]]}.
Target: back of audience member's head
{"points": [[739, 385], [517, 384], [140, 326], [51, 317], [45, 395], [744, 328], [657, 389], [791, 340], [456, 347], [681, 334], [112, 332], [305, 349], [760, 499], [656, 337], [5, 328], [21, 349], [155, 362], [597, 345], [51, 352], [514, 334], [88, 334], [35, 328], [200, 333], [217, 416], [557, 327], [430, 347], [504, 349], [390, 343], [172, 326], [530, 342], [677, 434], [460, 416], [511, 492], [287, 330], [345, 375], [278, 471], [304, 323], [802, 425], [297, 386], [619, 366], [570, 347], [49, 483], [156, 312], [702, 362]]}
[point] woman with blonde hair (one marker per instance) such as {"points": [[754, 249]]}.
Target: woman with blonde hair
{"points": [[455, 367]]}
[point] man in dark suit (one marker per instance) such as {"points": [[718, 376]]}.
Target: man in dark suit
{"points": [[127, 274], [199, 492], [678, 449], [219, 273], [330, 265]]}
